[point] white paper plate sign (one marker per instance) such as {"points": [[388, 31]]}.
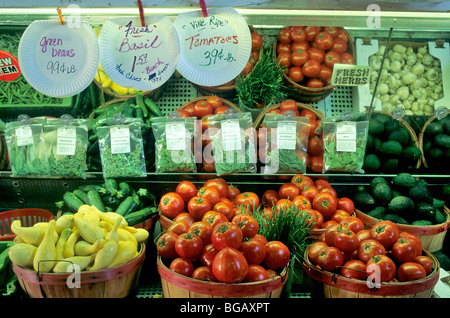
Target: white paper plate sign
{"points": [[141, 57], [215, 49], [58, 60]]}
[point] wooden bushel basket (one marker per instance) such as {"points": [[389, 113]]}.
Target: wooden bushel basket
{"points": [[114, 282], [175, 285], [338, 286], [431, 236]]}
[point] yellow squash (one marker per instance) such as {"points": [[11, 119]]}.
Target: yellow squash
{"points": [[125, 252], [22, 254], [104, 256], [141, 235], [46, 252], [62, 242], [69, 247], [88, 229], [83, 248], [81, 261], [64, 222], [112, 234], [31, 235]]}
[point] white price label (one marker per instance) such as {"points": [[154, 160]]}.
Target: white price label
{"points": [[120, 139], [66, 140], [24, 136], [231, 135], [346, 137], [286, 135], [176, 136]]}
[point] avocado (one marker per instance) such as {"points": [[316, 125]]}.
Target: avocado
{"points": [[381, 192], [434, 128], [377, 212], [364, 201], [442, 140], [381, 117], [411, 154], [377, 144], [438, 204], [434, 154], [425, 211], [389, 164], [420, 192], [446, 125], [422, 223], [443, 259], [395, 218], [391, 148], [446, 194], [404, 180], [377, 180], [376, 127], [427, 144], [395, 193], [401, 205], [370, 143], [391, 125], [439, 217], [371, 162], [400, 137]]}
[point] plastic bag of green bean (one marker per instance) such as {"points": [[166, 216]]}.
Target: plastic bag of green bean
{"points": [[173, 146], [67, 139], [121, 147], [28, 153]]}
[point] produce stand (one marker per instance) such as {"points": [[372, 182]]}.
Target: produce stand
{"points": [[27, 192]]}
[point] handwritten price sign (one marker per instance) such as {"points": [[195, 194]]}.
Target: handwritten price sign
{"points": [[215, 49], [141, 57]]}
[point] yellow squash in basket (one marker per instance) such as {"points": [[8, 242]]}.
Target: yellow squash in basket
{"points": [[69, 247], [31, 235], [81, 261], [104, 256], [62, 242], [83, 248], [125, 252], [64, 222], [89, 230], [22, 254], [45, 256]]}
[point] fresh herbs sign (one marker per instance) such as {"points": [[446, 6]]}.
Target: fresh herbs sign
{"points": [[139, 56], [214, 49]]}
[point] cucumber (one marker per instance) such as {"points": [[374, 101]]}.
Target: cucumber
{"points": [[81, 195], [111, 186], [72, 201], [86, 188], [140, 216], [95, 200], [127, 205], [152, 107], [124, 189]]}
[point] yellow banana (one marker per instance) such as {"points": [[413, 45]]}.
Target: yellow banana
{"points": [[62, 242], [31, 235], [22, 254], [104, 256], [81, 261], [83, 248], [125, 252], [69, 247], [88, 229], [46, 252]]}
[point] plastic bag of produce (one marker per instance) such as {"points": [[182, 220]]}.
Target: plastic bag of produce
{"points": [[121, 147], [286, 143], [174, 136], [67, 140], [233, 143], [28, 154], [344, 142]]}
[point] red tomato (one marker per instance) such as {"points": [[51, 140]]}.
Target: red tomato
{"points": [[325, 203], [288, 104], [298, 34], [386, 233], [370, 248], [198, 206], [230, 266], [323, 41], [302, 181], [233, 192], [339, 46], [269, 198], [299, 46], [256, 273], [209, 193], [165, 245], [316, 54], [363, 235], [284, 60], [186, 190], [247, 68], [202, 230], [315, 83], [283, 48], [411, 271], [271, 273], [186, 217], [346, 240], [309, 114], [182, 266], [226, 200], [321, 183], [248, 200], [354, 269], [288, 191], [339, 215], [331, 231], [178, 227], [405, 250], [353, 223], [202, 108], [214, 101], [266, 213], [254, 57], [325, 73], [295, 74], [253, 250], [247, 223], [315, 164], [213, 218], [331, 58], [171, 204], [182, 113], [314, 250], [301, 202], [326, 224], [261, 238], [330, 258], [207, 255], [204, 273], [333, 31], [190, 109], [311, 68], [347, 58], [224, 208], [315, 146], [311, 32], [426, 262], [415, 239], [299, 57], [386, 267], [282, 205], [226, 234], [277, 255], [319, 220], [221, 110], [346, 204], [342, 35], [284, 36], [309, 192], [188, 246], [329, 190], [257, 41]]}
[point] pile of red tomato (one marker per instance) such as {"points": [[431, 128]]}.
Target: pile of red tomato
{"points": [[314, 157], [349, 249], [214, 240], [310, 52]]}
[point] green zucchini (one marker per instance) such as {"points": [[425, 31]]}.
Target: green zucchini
{"points": [[140, 103], [128, 205], [124, 189], [95, 200], [72, 201], [86, 188], [152, 107], [111, 186], [140, 216], [81, 195]]}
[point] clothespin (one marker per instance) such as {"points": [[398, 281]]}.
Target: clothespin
{"points": [[141, 13], [60, 16], [204, 10]]}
